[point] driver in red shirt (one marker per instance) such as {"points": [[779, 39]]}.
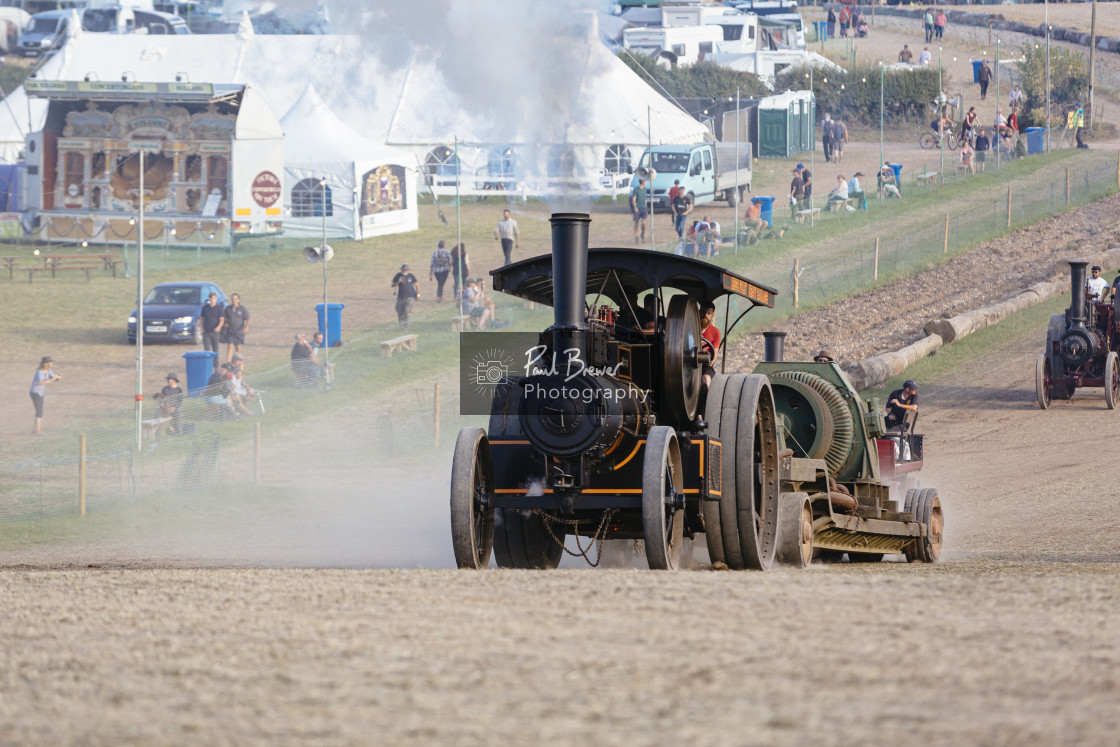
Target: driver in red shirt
{"points": [[711, 335]]}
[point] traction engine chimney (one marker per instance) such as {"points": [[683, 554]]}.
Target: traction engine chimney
{"points": [[569, 281]]}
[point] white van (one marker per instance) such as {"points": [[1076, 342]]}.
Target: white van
{"points": [[43, 32]]}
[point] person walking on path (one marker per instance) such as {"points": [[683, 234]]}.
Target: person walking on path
{"points": [[460, 268], [407, 293], [236, 325], [212, 320], [845, 20], [939, 22], [983, 145], [506, 232], [927, 21], [440, 268], [905, 56], [924, 57], [826, 136], [796, 191], [639, 197], [1077, 116], [839, 137], [984, 77], [44, 375], [831, 23], [681, 208]]}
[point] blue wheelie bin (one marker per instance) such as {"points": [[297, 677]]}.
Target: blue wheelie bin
{"points": [[1035, 140], [200, 364], [897, 168], [767, 204], [333, 329], [976, 65], [821, 28]]}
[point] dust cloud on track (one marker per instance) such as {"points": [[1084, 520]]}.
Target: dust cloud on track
{"points": [[1010, 639]]}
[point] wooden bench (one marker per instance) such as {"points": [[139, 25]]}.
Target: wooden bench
{"points": [[153, 427], [87, 269], [840, 206], [404, 342], [461, 323], [802, 215], [929, 178], [63, 261], [10, 263]]}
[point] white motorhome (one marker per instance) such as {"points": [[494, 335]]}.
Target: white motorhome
{"points": [[741, 41], [672, 46]]}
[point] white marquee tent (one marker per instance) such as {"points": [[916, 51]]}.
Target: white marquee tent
{"points": [[370, 188], [598, 125]]}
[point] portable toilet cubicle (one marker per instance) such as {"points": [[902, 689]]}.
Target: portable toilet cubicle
{"points": [[786, 124]]}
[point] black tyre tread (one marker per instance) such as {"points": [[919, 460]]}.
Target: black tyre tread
{"points": [[713, 412]]}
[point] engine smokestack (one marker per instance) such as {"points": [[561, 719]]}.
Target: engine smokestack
{"points": [[775, 347], [1077, 292], [569, 281]]}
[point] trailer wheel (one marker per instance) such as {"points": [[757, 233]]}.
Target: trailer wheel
{"points": [[734, 196], [795, 530], [662, 483], [926, 506], [472, 520], [1111, 381], [1042, 384]]}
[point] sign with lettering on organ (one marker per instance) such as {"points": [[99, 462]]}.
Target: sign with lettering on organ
{"points": [[266, 189]]}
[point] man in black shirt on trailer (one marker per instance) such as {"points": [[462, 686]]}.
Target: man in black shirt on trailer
{"points": [[900, 402]]}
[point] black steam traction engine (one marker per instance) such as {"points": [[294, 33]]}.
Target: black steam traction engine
{"points": [[779, 463], [1081, 346]]}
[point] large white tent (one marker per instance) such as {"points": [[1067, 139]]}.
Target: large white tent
{"points": [[586, 136], [370, 189]]}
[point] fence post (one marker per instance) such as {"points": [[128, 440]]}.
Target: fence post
{"points": [[1118, 168], [796, 282], [257, 453], [82, 474], [435, 427], [1067, 185], [945, 248], [875, 267], [1009, 206]]}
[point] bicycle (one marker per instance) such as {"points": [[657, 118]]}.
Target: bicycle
{"points": [[930, 140]]}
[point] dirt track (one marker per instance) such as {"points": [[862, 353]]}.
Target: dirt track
{"points": [[1010, 640]]}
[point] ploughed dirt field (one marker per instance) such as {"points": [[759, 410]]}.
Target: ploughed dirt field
{"points": [[178, 634]]}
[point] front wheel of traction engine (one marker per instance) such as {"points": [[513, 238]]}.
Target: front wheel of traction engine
{"points": [[662, 483], [925, 504], [1111, 381], [1042, 385], [472, 479]]}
